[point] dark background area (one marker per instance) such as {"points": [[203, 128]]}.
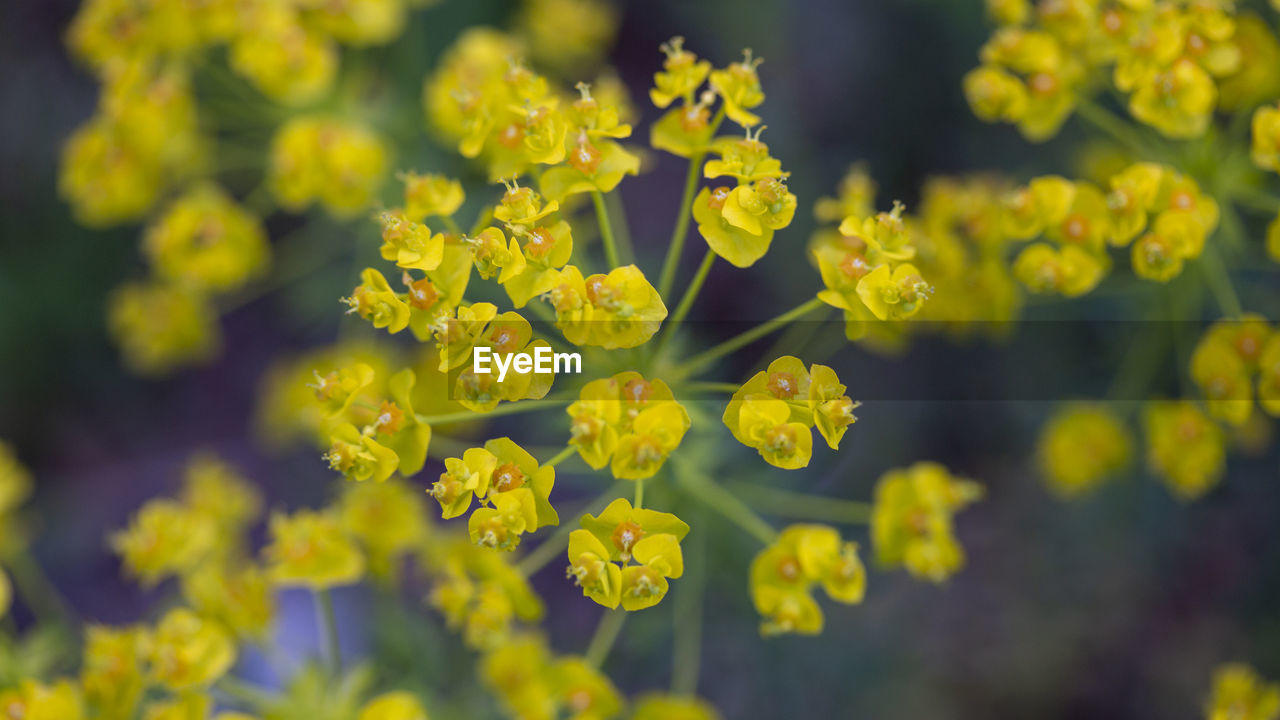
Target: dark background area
{"points": [[1117, 606]]}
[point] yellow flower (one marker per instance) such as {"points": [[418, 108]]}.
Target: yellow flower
{"points": [[895, 294], [585, 692], [186, 651], [644, 543], [1080, 447], [15, 480], [160, 327], [1266, 138], [112, 673], [739, 87], [597, 166], [282, 57], [1184, 447], [311, 549], [544, 249], [464, 478], [591, 570], [410, 245], [1224, 378], [397, 425], [516, 469], [393, 706], [374, 301], [189, 706], [832, 407], [238, 596], [212, 487], [783, 574], [765, 424], [387, 518], [480, 591], [911, 522], [430, 196], [1240, 694], [682, 74], [995, 95], [163, 539], [1069, 271], [659, 706], [654, 434], [207, 242], [1178, 101], [517, 672], [337, 164], [617, 310], [739, 246], [1133, 195], [31, 700], [593, 431], [358, 456]]}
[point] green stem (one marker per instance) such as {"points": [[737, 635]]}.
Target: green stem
{"points": [[514, 408], [560, 457], [687, 606], [676, 246], [716, 497], [39, 594], [606, 230], [605, 636], [786, 503], [618, 211], [707, 357], [639, 502], [1219, 282], [691, 293], [710, 387], [1256, 200], [327, 624], [1114, 126]]}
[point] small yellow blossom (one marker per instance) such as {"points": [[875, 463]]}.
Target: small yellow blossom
{"points": [[205, 241], [163, 539], [783, 574], [160, 327], [1266, 138], [393, 706], [739, 87], [387, 518], [311, 549], [1240, 694], [313, 159], [626, 554], [1185, 448], [186, 651], [238, 596], [911, 525], [1080, 447], [617, 310], [31, 700], [430, 196], [113, 672]]}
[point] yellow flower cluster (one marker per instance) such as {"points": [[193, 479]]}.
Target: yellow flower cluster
{"points": [[513, 120], [626, 554], [532, 683], [1185, 447], [479, 591], [203, 244], [1160, 213], [1169, 58], [1266, 138], [737, 222], [911, 525], [628, 423], [1240, 694], [513, 491], [1081, 446], [315, 159], [774, 411], [783, 574], [390, 437], [867, 271], [1225, 362]]}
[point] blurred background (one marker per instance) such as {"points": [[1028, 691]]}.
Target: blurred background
{"points": [[1115, 606]]}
